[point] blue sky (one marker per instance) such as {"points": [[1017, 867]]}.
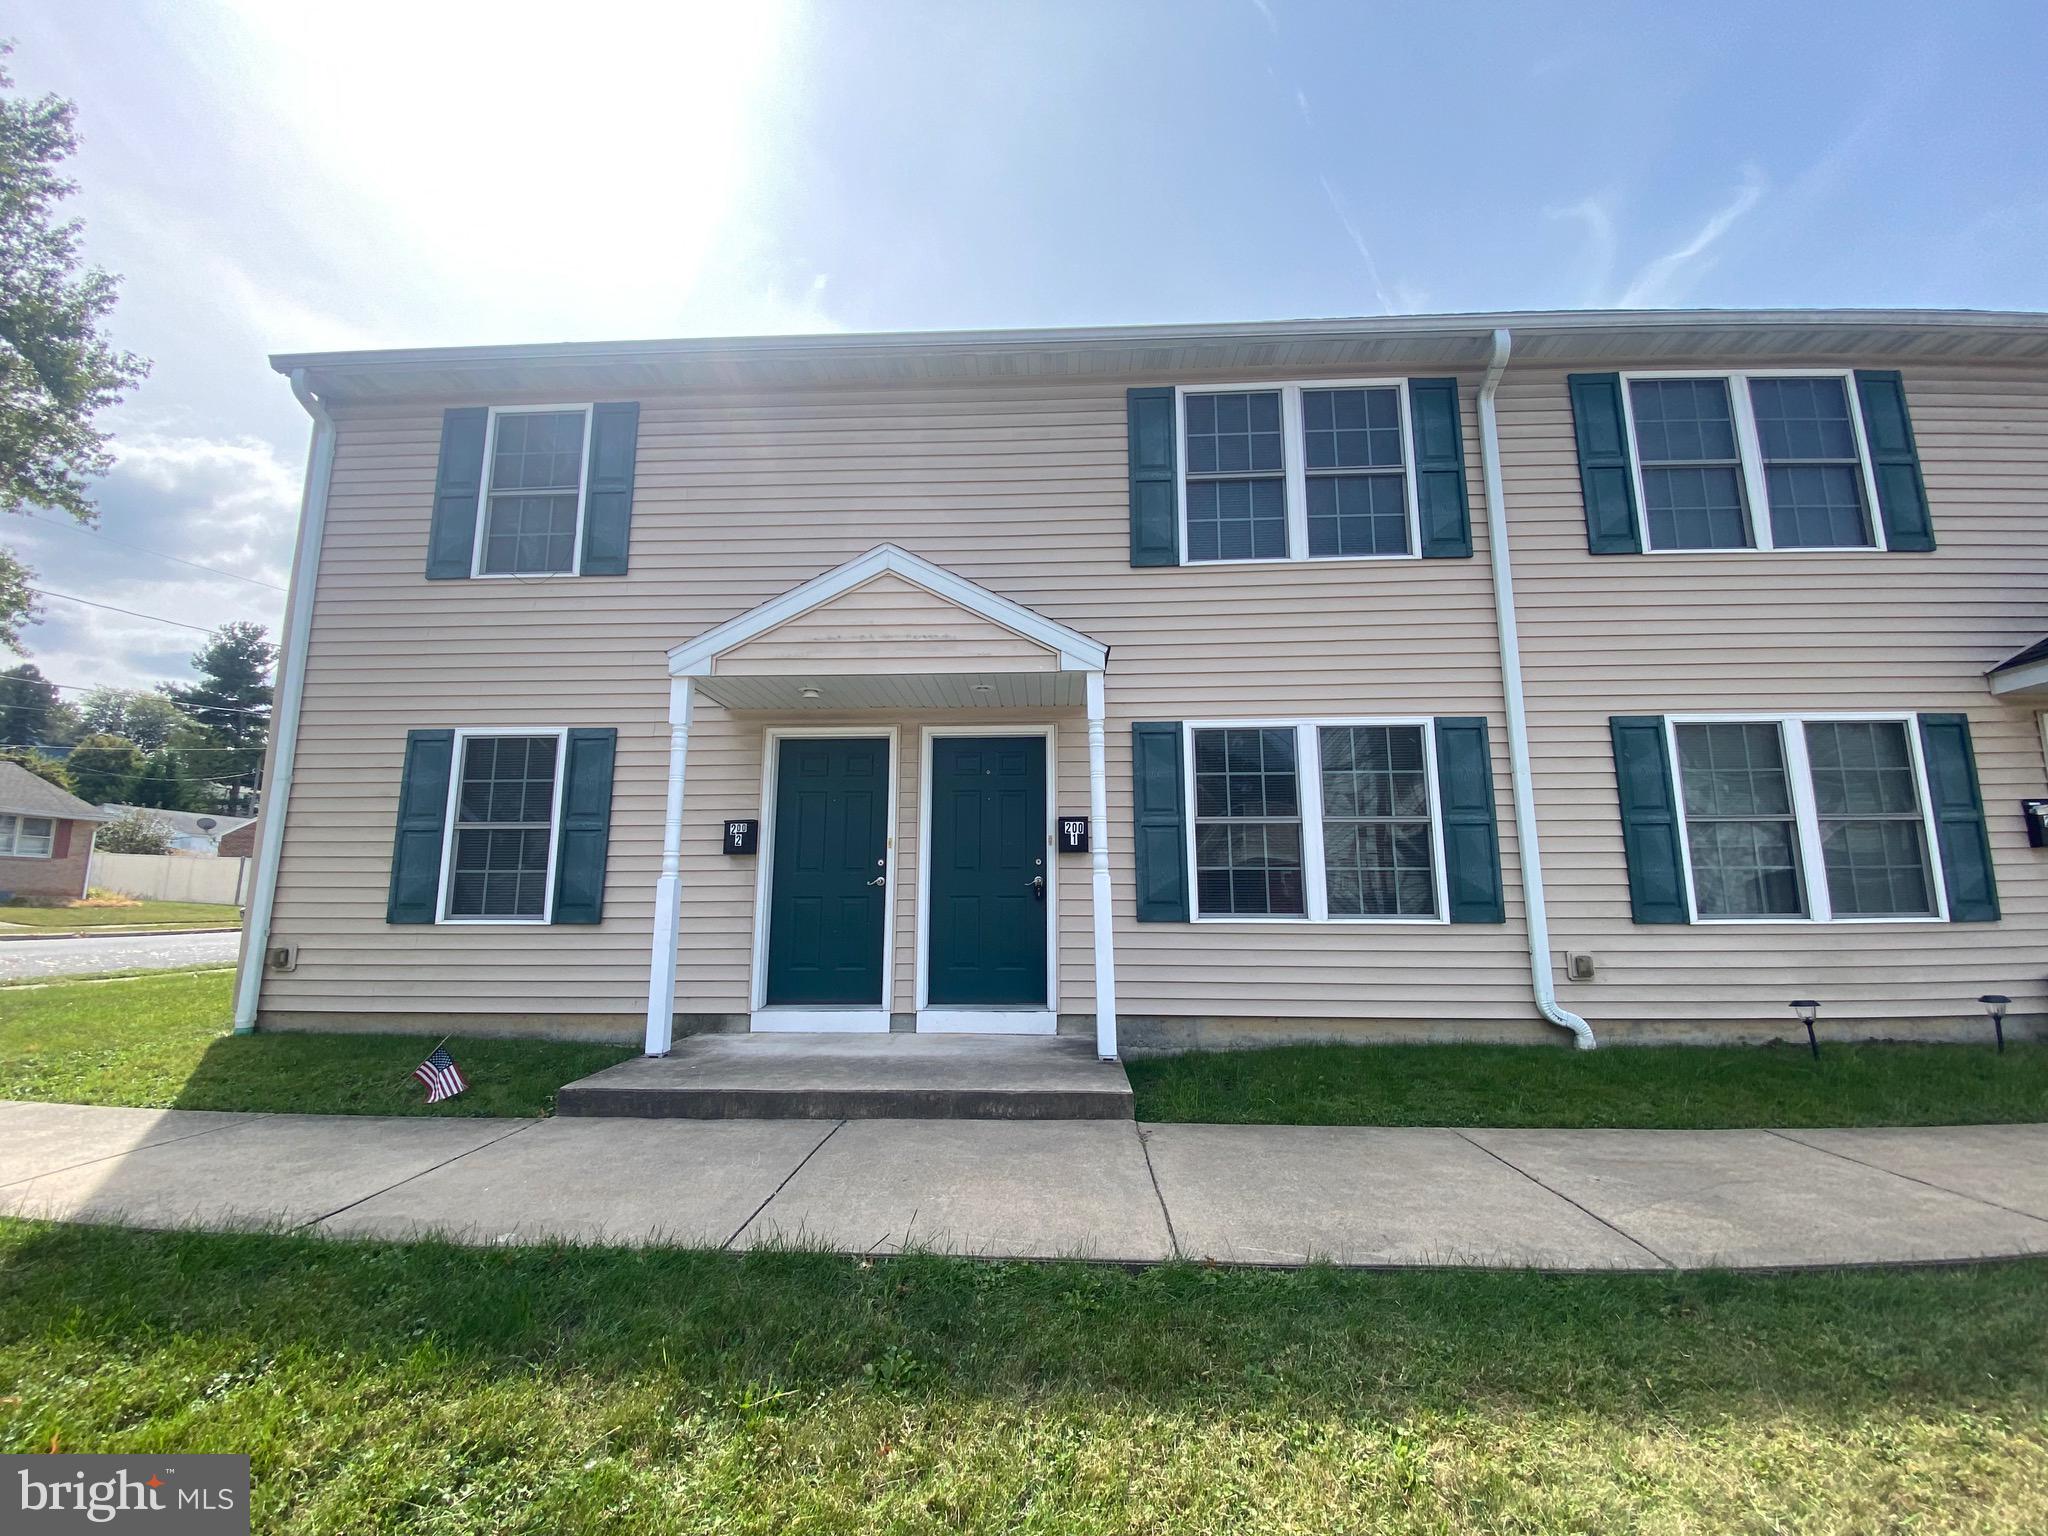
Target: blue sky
{"points": [[280, 176]]}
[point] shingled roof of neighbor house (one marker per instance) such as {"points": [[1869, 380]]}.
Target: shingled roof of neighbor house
{"points": [[25, 794]]}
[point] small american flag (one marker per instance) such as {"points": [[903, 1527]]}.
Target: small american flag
{"points": [[443, 1078]]}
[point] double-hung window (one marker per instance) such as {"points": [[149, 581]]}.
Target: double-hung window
{"points": [[531, 520], [503, 825], [1751, 461], [1824, 818], [27, 837], [1316, 820], [1297, 472]]}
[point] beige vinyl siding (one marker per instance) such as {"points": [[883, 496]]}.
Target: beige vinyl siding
{"points": [[740, 497], [1786, 633]]}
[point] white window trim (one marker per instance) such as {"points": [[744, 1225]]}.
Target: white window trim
{"points": [[1294, 463], [448, 825], [483, 494], [1813, 883], [1309, 789], [1749, 449], [13, 849]]}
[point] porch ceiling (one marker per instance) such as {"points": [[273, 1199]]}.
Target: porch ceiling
{"points": [[898, 691]]}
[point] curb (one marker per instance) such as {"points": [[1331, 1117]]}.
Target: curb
{"points": [[108, 932]]}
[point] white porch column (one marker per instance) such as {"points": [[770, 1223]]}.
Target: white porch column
{"points": [[668, 890], [1098, 821]]}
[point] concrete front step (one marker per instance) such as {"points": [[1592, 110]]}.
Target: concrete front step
{"points": [[860, 1077]]}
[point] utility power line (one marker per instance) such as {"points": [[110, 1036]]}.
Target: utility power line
{"points": [[153, 618], [213, 570]]}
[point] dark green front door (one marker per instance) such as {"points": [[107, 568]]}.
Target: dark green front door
{"points": [[826, 893], [986, 940]]}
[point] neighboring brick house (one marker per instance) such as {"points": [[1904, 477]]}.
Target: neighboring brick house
{"points": [[240, 843], [45, 837]]}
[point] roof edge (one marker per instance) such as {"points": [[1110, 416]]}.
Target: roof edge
{"points": [[856, 343]]}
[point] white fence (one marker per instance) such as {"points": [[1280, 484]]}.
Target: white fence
{"points": [[163, 877]]}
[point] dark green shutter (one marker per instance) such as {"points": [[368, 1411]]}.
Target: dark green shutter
{"points": [[1894, 461], [458, 483], [1464, 778], [586, 825], [422, 820], [1439, 432], [1958, 806], [608, 490], [1155, 499], [1606, 476], [1649, 819], [1160, 835]]}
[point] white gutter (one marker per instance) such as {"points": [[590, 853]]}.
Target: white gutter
{"points": [[284, 715], [1535, 915], [1956, 324]]}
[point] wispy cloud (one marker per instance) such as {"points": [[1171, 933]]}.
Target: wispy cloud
{"points": [[1597, 214], [1372, 267], [1265, 10], [1665, 280]]}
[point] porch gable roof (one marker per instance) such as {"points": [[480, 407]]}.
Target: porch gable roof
{"points": [[1074, 651]]}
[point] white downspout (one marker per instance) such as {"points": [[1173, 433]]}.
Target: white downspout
{"points": [[291, 688], [1535, 916]]}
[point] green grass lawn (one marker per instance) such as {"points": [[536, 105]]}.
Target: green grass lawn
{"points": [[1690, 1087], [182, 914], [431, 1388], [164, 1042]]}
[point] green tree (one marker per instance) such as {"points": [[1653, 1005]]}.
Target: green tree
{"points": [[42, 767], [147, 719], [137, 832], [17, 603], [57, 371], [200, 754], [104, 769], [26, 699], [62, 728], [162, 784], [232, 699]]}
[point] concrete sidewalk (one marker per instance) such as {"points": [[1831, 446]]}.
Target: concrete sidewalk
{"points": [[1568, 1200]]}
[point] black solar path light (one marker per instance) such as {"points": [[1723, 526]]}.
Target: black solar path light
{"points": [[1808, 1010], [1995, 1005]]}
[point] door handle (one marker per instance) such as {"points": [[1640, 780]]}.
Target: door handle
{"points": [[879, 880], [1038, 886]]}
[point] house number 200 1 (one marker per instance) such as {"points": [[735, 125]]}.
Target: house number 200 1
{"points": [[1073, 834]]}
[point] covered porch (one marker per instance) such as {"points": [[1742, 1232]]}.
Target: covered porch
{"points": [[912, 727]]}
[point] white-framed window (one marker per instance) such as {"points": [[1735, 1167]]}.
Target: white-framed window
{"points": [[1764, 459], [1314, 821], [1312, 471], [1806, 818], [530, 516], [27, 837], [503, 826]]}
